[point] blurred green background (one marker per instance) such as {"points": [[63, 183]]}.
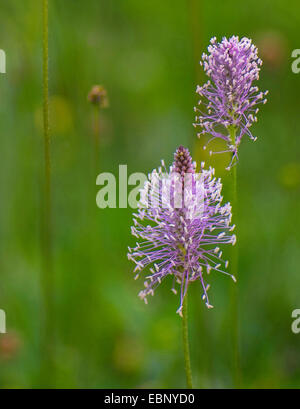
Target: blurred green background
{"points": [[146, 55]]}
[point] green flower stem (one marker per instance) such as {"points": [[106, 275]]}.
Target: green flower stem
{"points": [[47, 270], [234, 298], [96, 137], [186, 348]]}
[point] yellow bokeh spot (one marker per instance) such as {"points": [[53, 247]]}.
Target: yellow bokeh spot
{"points": [[289, 175]]}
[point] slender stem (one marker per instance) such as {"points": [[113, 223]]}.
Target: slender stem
{"points": [[96, 137], [47, 275], [46, 101], [187, 360], [235, 308]]}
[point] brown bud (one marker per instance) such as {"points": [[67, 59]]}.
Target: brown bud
{"points": [[98, 96], [183, 161]]}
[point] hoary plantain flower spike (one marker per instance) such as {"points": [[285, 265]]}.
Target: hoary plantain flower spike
{"points": [[229, 98], [181, 225]]}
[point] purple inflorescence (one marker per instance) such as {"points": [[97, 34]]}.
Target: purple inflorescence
{"points": [[181, 223], [229, 99]]}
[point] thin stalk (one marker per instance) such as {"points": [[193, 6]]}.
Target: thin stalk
{"points": [[98, 98], [186, 348], [47, 273], [235, 307], [96, 137]]}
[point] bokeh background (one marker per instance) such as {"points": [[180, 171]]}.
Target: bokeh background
{"points": [[146, 54]]}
